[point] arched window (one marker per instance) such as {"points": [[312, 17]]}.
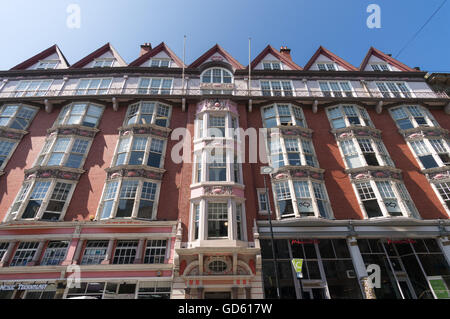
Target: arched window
{"points": [[216, 75]]}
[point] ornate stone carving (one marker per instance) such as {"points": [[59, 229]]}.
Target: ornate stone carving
{"points": [[134, 172], [218, 190], [11, 134], [375, 173], [355, 132], [146, 130], [52, 173], [216, 105]]}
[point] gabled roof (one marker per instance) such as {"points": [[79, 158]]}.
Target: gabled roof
{"points": [[97, 53], [41, 56], [271, 50], [386, 58], [160, 47], [331, 56], [216, 49]]}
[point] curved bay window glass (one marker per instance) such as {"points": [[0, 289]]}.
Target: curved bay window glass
{"points": [[301, 198], [140, 150], [385, 198], [341, 116], [431, 152], [80, 113], [293, 151], [148, 113], [42, 199], [217, 165], [129, 198], [217, 220], [283, 115], [6, 148], [411, 116], [359, 152], [64, 151], [16, 116]]}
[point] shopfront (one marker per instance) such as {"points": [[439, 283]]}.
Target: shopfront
{"points": [[27, 290]]}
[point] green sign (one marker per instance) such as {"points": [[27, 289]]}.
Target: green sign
{"points": [[439, 287], [297, 263]]}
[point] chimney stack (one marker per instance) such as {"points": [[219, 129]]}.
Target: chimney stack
{"points": [[145, 48], [286, 52]]}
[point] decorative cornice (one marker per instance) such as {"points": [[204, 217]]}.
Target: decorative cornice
{"points": [[288, 172], [216, 105], [218, 190], [77, 130], [11, 133], [374, 172], [134, 171], [72, 174], [425, 132], [293, 130], [356, 131], [145, 129]]}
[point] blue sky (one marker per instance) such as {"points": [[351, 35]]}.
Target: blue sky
{"points": [[340, 26]]}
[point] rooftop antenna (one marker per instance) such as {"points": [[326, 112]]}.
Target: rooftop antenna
{"points": [[184, 63], [249, 65]]}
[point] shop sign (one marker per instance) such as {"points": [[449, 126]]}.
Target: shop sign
{"points": [[299, 242], [23, 287], [403, 241]]}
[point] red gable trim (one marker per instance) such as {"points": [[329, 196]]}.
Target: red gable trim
{"points": [[386, 58], [210, 52], [331, 56], [271, 50], [92, 56], [40, 56], [160, 47]]}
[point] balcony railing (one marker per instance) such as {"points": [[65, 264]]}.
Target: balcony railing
{"points": [[229, 91]]}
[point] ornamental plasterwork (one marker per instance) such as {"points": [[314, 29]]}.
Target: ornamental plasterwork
{"points": [[369, 173], [149, 129], [217, 86], [304, 172], [218, 190], [287, 131], [225, 259], [58, 173], [145, 172], [425, 132], [438, 174], [216, 105], [77, 130], [350, 132]]}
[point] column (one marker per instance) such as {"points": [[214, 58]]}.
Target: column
{"points": [[77, 253], [138, 259], [37, 255], [7, 256], [360, 268], [203, 220], [71, 251], [444, 243], [108, 256]]}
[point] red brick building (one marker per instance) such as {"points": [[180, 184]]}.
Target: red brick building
{"points": [[143, 180]]}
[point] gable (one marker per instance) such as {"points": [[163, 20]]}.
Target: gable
{"points": [[104, 52], [52, 54], [216, 54], [159, 52], [376, 56], [323, 55], [270, 57]]}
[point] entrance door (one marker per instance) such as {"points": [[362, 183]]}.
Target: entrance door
{"points": [[218, 295]]}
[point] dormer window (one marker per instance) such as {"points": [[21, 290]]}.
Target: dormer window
{"points": [[217, 75], [103, 63], [47, 64], [326, 66], [159, 63], [380, 67], [272, 65]]}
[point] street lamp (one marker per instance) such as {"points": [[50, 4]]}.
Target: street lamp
{"points": [[266, 170]]}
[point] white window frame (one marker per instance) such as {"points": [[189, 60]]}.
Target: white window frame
{"points": [[379, 65], [16, 114], [444, 185], [337, 93], [428, 117], [429, 150], [281, 141], [361, 113], [271, 63], [146, 152], [388, 91], [137, 199], [45, 64], [383, 159], [153, 90], [9, 154], [261, 192], [327, 66], [282, 91], [277, 115], [399, 197], [29, 258], [98, 90], [202, 125], [49, 147], [66, 113], [163, 247], [121, 257], [25, 85], [159, 60], [103, 63], [139, 113], [51, 253], [222, 72], [294, 200], [95, 257], [23, 196]]}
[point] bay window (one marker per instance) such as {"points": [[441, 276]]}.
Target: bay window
{"points": [[291, 151], [140, 150], [129, 198], [85, 114], [217, 167], [6, 150], [394, 89], [217, 220], [282, 115], [431, 152], [276, 88], [16, 116], [216, 126], [336, 89], [301, 198], [32, 88], [42, 199], [64, 151], [385, 198], [359, 152], [341, 116], [93, 86], [148, 113], [155, 86], [444, 192], [411, 116]]}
